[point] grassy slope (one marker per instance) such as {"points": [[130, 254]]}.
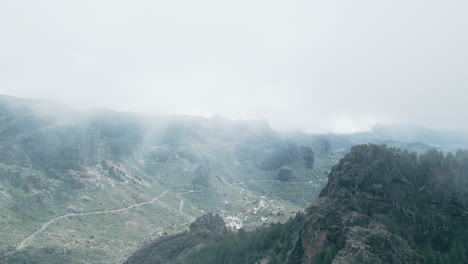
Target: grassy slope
{"points": [[109, 238]]}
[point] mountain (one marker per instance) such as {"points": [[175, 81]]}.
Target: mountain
{"points": [[94, 186], [380, 205], [404, 136]]}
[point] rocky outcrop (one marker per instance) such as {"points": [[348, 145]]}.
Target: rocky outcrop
{"points": [[324, 145], [285, 154], [208, 222], [379, 206], [373, 194], [285, 174], [308, 156]]}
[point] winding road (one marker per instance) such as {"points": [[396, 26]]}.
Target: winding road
{"points": [[181, 206], [254, 181], [44, 226]]}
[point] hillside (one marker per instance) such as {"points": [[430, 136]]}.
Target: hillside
{"points": [[380, 205], [94, 186]]}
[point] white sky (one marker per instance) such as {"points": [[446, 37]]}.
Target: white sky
{"points": [[312, 65]]}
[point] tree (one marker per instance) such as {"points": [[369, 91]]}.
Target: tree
{"points": [[431, 159], [439, 258], [431, 257], [241, 233], [329, 255]]}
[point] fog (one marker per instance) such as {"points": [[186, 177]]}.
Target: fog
{"points": [[316, 66]]}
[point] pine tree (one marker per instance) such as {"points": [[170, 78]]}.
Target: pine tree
{"points": [[329, 255], [439, 258], [431, 257]]}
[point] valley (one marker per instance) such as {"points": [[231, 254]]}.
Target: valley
{"points": [[380, 205], [93, 187]]}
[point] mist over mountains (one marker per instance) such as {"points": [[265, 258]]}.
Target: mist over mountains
{"points": [[233, 132], [95, 186], [380, 205]]}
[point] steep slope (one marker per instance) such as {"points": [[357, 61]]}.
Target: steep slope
{"points": [[384, 206], [380, 205], [93, 186], [205, 229]]}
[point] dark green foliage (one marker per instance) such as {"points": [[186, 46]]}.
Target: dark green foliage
{"points": [[393, 226], [275, 242], [432, 158], [448, 177], [285, 174], [421, 201], [327, 256], [456, 253], [436, 173]]}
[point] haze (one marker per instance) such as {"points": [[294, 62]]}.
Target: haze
{"points": [[317, 66]]}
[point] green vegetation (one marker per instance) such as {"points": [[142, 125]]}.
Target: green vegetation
{"points": [[250, 247], [104, 160], [327, 256], [435, 234], [54, 163]]}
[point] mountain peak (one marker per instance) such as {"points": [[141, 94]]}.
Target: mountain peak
{"points": [[373, 171]]}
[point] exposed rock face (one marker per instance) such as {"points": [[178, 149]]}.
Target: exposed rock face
{"points": [[208, 222], [380, 206], [358, 237], [375, 172], [115, 173], [371, 194], [285, 174], [308, 156], [324, 145], [282, 155], [285, 154]]}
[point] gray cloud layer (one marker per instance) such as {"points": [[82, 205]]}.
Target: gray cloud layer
{"points": [[310, 65]]}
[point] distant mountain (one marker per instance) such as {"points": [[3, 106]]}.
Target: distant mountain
{"points": [[443, 139], [380, 205], [403, 136], [94, 186]]}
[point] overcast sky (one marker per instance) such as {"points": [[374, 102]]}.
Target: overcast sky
{"points": [[311, 65]]}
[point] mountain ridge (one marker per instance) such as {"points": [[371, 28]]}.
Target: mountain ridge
{"points": [[380, 205]]}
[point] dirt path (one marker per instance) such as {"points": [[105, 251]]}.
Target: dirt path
{"points": [[44, 226], [254, 181], [181, 204]]}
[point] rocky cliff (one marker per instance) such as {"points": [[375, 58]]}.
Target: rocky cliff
{"points": [[381, 205]]}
